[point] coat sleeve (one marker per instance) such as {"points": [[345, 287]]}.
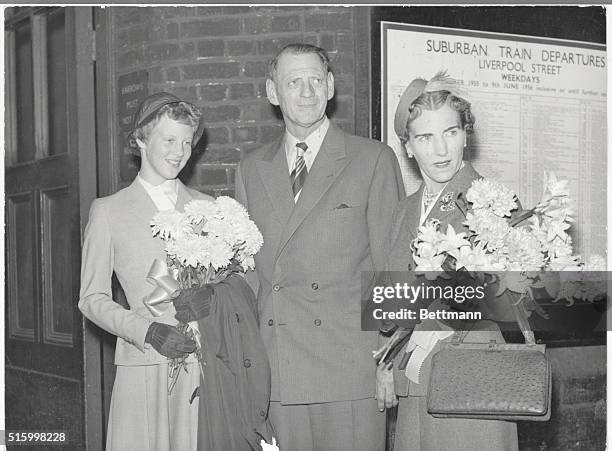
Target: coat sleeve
{"points": [[386, 190], [95, 299]]}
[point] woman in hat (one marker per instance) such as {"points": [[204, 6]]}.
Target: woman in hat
{"points": [[143, 416], [432, 122]]}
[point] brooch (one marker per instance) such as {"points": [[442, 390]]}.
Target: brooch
{"points": [[447, 202]]}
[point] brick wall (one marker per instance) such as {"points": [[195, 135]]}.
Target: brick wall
{"points": [[217, 58]]}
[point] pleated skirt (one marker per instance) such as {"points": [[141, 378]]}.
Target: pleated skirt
{"points": [[417, 430]]}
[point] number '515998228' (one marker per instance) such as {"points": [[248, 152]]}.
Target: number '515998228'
{"points": [[33, 437]]}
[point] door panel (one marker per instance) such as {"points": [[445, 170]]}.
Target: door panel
{"points": [[21, 266], [56, 281], [56, 81], [24, 93]]}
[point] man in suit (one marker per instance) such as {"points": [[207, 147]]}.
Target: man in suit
{"points": [[118, 238], [323, 200]]}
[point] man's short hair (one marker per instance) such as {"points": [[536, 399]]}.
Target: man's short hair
{"points": [[298, 49]]}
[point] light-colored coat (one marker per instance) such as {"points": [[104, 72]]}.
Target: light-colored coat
{"points": [[118, 239], [310, 266]]}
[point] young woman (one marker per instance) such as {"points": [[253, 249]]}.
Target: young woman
{"points": [[143, 416]]}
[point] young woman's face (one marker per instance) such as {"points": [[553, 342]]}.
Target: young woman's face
{"points": [[166, 152], [436, 138]]}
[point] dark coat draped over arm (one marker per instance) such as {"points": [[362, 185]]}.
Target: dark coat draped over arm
{"points": [[235, 392]]}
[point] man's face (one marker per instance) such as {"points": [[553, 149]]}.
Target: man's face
{"points": [[166, 151], [436, 138], [301, 88]]}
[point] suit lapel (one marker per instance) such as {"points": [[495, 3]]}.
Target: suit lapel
{"points": [[183, 196], [139, 203], [274, 174], [328, 165], [416, 204]]}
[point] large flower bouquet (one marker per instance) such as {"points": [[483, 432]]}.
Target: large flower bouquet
{"points": [[518, 250], [205, 243]]}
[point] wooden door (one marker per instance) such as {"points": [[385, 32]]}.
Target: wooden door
{"points": [[50, 144]]}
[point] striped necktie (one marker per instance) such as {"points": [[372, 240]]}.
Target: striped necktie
{"points": [[299, 173]]}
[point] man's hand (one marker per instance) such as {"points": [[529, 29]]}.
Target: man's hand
{"points": [[193, 304], [385, 388], [168, 341]]}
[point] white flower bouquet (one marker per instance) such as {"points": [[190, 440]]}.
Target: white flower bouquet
{"points": [[523, 246], [521, 251], [206, 243]]}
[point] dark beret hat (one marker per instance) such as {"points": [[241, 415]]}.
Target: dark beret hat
{"points": [[148, 108], [439, 82], [402, 113]]}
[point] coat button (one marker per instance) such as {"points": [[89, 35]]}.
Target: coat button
{"points": [[315, 286], [270, 322], [317, 322], [247, 363], [262, 412], [276, 287]]}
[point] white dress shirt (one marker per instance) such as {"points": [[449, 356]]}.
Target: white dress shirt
{"points": [[164, 195], [313, 141]]}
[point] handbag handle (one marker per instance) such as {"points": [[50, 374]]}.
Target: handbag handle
{"points": [[520, 314]]}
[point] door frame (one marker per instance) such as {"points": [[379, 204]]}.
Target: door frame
{"points": [[86, 83]]}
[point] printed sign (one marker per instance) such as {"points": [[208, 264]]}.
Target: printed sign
{"points": [[539, 104], [132, 89]]}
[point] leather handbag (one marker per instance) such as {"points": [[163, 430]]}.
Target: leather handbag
{"points": [[493, 381]]}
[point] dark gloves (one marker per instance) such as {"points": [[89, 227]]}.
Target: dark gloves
{"points": [[168, 341], [193, 304]]}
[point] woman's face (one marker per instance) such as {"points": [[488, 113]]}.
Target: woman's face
{"points": [[166, 151], [436, 138]]}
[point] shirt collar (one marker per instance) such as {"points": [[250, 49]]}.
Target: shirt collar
{"points": [[313, 141], [169, 185]]}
